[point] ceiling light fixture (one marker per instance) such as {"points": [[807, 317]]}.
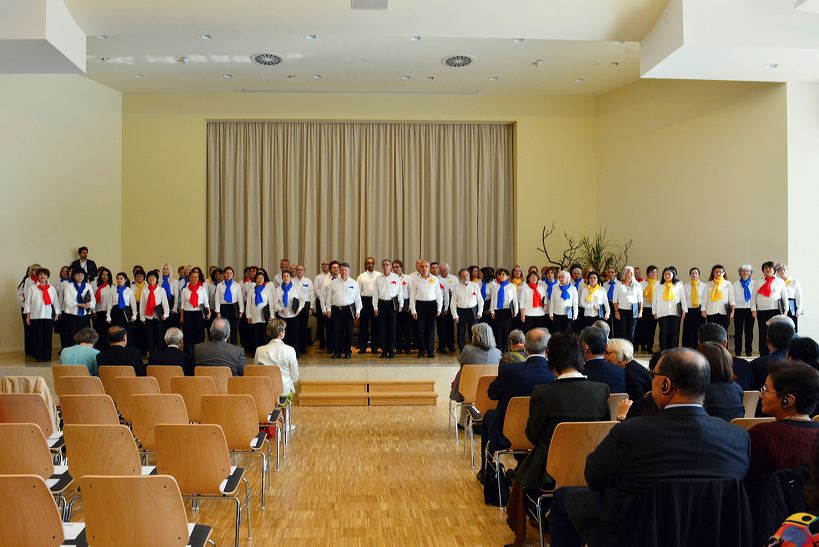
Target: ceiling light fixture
{"points": [[493, 78], [227, 76], [105, 59], [518, 40], [310, 36], [771, 66], [619, 42], [430, 77], [538, 62], [415, 38], [102, 36], [579, 81], [182, 60], [291, 76], [139, 75], [457, 61], [406, 77], [206, 36], [266, 59], [317, 76]]}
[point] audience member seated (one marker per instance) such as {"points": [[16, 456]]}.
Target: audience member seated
{"points": [[173, 354], [789, 394], [480, 350], [804, 349], [516, 352], [620, 352], [723, 398], [593, 341], [642, 407], [802, 529], [714, 332], [83, 353], [118, 354], [514, 380], [218, 352], [278, 354], [779, 336], [681, 442], [602, 325]]}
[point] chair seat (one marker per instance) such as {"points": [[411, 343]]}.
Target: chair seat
{"points": [[55, 441], [198, 534], [59, 480], [74, 533], [274, 416], [258, 441], [230, 484], [474, 413], [148, 470]]}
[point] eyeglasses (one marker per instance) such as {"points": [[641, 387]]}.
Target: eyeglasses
{"points": [[764, 389]]}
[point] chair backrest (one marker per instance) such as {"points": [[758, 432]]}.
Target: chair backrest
{"points": [[133, 511], [149, 410], [163, 375], [78, 385], [614, 403], [196, 455], [235, 414], [514, 423], [58, 371], [272, 372], [258, 387], [101, 450], [192, 388], [89, 410], [816, 418], [749, 400], [24, 451], [482, 400], [748, 423], [571, 444], [219, 374], [28, 512], [109, 372], [124, 387], [470, 374], [24, 408], [33, 384]]}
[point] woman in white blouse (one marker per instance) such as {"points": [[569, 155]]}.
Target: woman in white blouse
{"points": [[195, 310], [718, 302], [532, 301], [694, 294], [22, 289], [229, 301], [594, 301], [743, 310], [42, 308], [77, 305], [503, 306], [669, 306], [103, 291], [259, 310], [122, 308], [154, 308], [287, 304], [563, 305], [647, 326], [770, 299], [794, 289], [628, 305]]}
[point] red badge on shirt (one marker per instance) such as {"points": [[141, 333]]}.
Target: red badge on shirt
{"points": [[394, 282], [403, 282], [442, 286]]}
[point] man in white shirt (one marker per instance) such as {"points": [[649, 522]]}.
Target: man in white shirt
{"points": [[466, 306], [368, 326], [319, 284], [284, 266], [390, 301], [277, 353], [445, 326], [343, 306], [308, 296], [426, 303], [404, 323]]}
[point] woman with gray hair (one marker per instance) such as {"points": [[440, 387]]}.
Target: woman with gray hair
{"points": [[83, 353], [628, 305], [743, 310], [481, 350]]}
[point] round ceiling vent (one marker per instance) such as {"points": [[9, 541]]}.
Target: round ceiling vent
{"points": [[266, 59], [457, 61]]}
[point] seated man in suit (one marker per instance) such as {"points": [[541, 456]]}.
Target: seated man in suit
{"points": [[514, 380], [218, 352], [597, 369], [681, 442], [780, 333], [714, 332], [119, 354], [173, 354]]}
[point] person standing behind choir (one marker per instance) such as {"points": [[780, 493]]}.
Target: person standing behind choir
{"points": [[503, 307], [78, 303], [426, 303], [669, 307], [694, 295], [771, 299], [284, 266], [195, 310], [628, 305], [403, 324], [594, 301], [318, 287], [181, 282], [103, 293], [154, 309], [171, 289], [308, 296], [576, 271], [389, 300], [28, 281], [516, 277], [245, 327], [718, 304], [743, 310], [259, 310], [647, 326], [474, 275], [532, 302], [487, 275], [563, 305], [42, 309], [343, 307], [229, 302], [466, 305], [287, 304], [609, 285], [794, 289]]}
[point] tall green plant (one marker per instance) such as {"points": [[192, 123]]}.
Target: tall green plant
{"points": [[595, 251]]}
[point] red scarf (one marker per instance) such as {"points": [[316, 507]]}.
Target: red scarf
{"points": [[536, 298], [194, 293], [33, 279], [765, 289], [151, 305], [246, 280], [98, 294], [46, 295]]}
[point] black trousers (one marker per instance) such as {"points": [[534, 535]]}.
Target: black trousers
{"points": [[403, 332], [626, 325], [41, 332], [562, 323], [611, 317], [367, 325], [246, 336], [28, 340], [719, 319], [72, 324], [291, 332], [762, 317], [101, 326], [322, 325], [304, 332], [669, 331], [257, 336], [119, 319], [154, 330], [446, 332], [426, 312], [648, 329], [138, 335], [230, 313], [502, 327], [743, 330], [193, 330], [466, 318], [342, 329], [693, 321], [534, 322], [387, 317]]}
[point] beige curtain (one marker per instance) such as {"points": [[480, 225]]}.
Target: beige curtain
{"points": [[327, 190]]}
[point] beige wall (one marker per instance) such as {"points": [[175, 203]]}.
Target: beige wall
{"points": [[695, 172], [60, 151]]}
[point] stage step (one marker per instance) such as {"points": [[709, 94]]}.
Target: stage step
{"points": [[367, 392]]}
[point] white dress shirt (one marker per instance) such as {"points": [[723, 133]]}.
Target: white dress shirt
{"points": [[70, 299], [343, 292], [425, 290], [739, 296], [447, 284], [625, 296], [22, 290], [388, 287], [606, 285], [465, 296], [305, 285], [127, 295], [405, 281], [647, 303], [105, 297], [510, 298], [161, 300], [689, 295], [256, 312], [794, 289], [180, 285], [203, 298], [286, 312], [721, 306], [236, 294], [662, 307], [36, 308], [277, 353], [779, 294], [174, 292], [599, 299], [366, 283], [526, 296], [558, 306]]}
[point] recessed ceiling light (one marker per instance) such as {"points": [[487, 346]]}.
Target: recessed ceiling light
{"points": [[771, 66], [619, 42], [579, 81], [291, 76], [518, 40], [105, 59], [227, 76], [317, 76], [139, 75], [406, 77], [493, 78], [415, 38], [102, 36], [206, 36], [538, 62], [182, 60], [310, 36], [430, 77]]}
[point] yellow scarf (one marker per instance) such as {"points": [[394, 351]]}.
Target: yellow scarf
{"points": [[138, 293], [592, 290], [648, 292], [517, 281], [695, 293], [788, 282], [668, 291], [716, 293]]}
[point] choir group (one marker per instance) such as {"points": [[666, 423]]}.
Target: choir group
{"points": [[399, 312]]}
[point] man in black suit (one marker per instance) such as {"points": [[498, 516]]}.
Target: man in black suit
{"points": [[514, 380], [83, 263], [597, 369], [173, 354], [714, 332], [681, 442], [119, 354], [218, 352], [780, 333]]}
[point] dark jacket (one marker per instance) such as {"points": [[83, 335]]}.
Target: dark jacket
{"points": [[220, 354], [122, 356], [90, 268], [724, 400], [173, 356], [744, 375], [600, 370], [760, 366], [638, 381], [566, 400], [518, 380]]}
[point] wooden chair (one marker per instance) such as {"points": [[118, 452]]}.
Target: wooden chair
{"points": [[748, 423], [197, 457], [476, 412], [816, 418], [138, 511], [275, 375], [108, 373], [124, 387], [266, 400], [59, 371], [163, 375], [236, 415], [22, 408], [77, 385], [614, 403], [23, 451], [29, 515], [192, 389], [468, 386], [89, 410], [750, 399], [107, 450], [219, 374], [514, 429], [149, 410]]}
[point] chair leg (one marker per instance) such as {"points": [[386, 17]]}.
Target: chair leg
{"points": [[278, 447], [472, 444], [70, 508], [195, 504], [238, 519], [540, 519], [455, 419], [247, 508], [449, 411], [264, 475]]}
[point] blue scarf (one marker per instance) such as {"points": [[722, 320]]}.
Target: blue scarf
{"points": [[185, 279], [120, 297], [228, 292], [81, 289], [167, 286], [611, 291], [501, 294], [577, 285], [258, 289], [564, 292], [483, 290], [549, 286], [286, 293], [746, 285]]}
